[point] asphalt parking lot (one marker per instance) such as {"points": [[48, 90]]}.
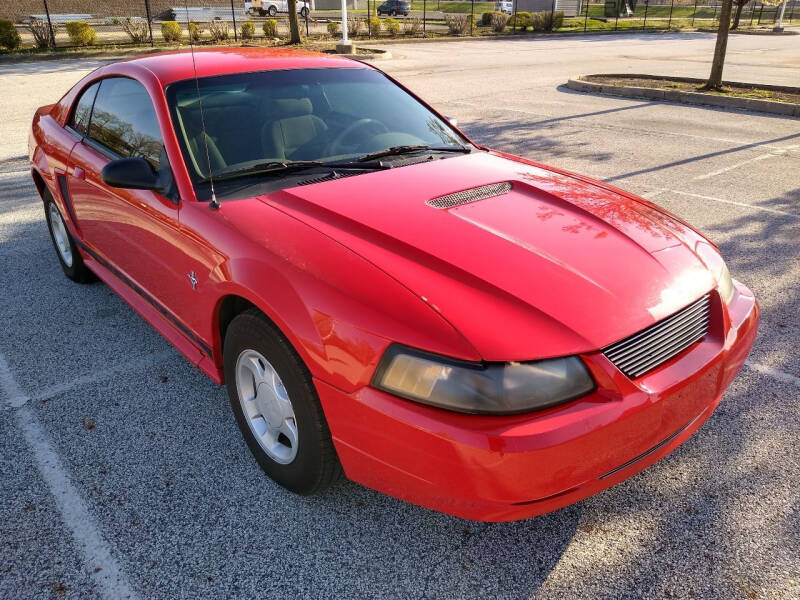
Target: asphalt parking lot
{"points": [[124, 475]]}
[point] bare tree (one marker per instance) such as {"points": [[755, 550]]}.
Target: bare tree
{"points": [[715, 79], [294, 26], [740, 4]]}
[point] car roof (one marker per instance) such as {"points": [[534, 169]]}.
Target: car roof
{"points": [[178, 65]]}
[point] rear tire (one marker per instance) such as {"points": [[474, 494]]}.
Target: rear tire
{"points": [[67, 252], [304, 12], [277, 407], [272, 11]]}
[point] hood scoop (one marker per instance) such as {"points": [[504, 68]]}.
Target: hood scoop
{"points": [[470, 195]]}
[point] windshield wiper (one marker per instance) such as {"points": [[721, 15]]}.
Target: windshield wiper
{"points": [[397, 150], [273, 166], [276, 166]]}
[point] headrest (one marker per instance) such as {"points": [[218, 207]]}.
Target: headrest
{"points": [[224, 100], [284, 108]]}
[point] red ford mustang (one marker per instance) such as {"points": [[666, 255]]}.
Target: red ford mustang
{"points": [[464, 329]]}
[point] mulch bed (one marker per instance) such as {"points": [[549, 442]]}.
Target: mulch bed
{"points": [[665, 83]]}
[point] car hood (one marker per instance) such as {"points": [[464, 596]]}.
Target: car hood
{"points": [[553, 266]]}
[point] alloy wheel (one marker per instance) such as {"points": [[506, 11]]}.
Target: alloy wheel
{"points": [[266, 406], [60, 235]]}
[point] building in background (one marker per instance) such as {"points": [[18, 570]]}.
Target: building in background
{"points": [[570, 8], [337, 4]]}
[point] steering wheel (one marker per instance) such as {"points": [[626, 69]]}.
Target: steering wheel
{"points": [[338, 145]]}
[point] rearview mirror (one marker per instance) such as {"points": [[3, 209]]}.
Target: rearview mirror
{"points": [[133, 174]]}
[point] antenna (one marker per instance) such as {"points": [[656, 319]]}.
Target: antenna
{"points": [[214, 202]]}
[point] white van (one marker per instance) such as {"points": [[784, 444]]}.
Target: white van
{"points": [[273, 7], [505, 6]]}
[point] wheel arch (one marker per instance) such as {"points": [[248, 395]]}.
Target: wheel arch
{"points": [[236, 301], [228, 308], [38, 181]]}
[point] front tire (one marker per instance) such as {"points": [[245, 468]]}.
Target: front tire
{"points": [[68, 257], [304, 12], [276, 406], [272, 11]]}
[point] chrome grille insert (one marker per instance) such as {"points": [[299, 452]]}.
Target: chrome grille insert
{"points": [[470, 195], [651, 347]]}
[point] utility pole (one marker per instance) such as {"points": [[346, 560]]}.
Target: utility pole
{"points": [[779, 26], [344, 46], [472, 17]]}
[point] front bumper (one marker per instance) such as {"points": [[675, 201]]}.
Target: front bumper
{"points": [[491, 468]]}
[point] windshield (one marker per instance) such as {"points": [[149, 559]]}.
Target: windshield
{"points": [[321, 115]]}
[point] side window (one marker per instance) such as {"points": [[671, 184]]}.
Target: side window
{"points": [[80, 118], [124, 120]]}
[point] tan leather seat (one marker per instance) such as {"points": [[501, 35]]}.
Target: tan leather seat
{"points": [[294, 126], [198, 149]]}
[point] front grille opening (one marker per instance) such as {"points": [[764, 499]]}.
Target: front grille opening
{"points": [[642, 352]]}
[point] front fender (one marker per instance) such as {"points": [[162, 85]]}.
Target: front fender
{"points": [[337, 310]]}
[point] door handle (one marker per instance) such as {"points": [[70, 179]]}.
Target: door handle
{"points": [[78, 173]]}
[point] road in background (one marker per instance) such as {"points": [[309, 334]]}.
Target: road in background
{"points": [[122, 465]]}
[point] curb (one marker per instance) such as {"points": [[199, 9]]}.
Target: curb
{"points": [[523, 36], [377, 54], [786, 31], [78, 55], [122, 54], [577, 84]]}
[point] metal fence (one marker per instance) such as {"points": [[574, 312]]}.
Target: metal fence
{"points": [[137, 22], [679, 14]]}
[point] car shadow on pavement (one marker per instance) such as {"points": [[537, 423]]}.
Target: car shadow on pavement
{"points": [[172, 485], [17, 186], [530, 139], [719, 517], [189, 514]]}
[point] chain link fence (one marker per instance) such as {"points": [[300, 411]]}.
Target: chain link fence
{"points": [[72, 23], [676, 14]]}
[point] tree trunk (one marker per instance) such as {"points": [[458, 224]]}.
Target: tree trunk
{"points": [[294, 26], [715, 79], [737, 15]]}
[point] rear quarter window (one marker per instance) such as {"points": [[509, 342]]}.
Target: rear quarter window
{"points": [[83, 109]]}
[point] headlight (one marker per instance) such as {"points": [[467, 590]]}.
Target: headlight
{"points": [[712, 259], [725, 284], [494, 388]]}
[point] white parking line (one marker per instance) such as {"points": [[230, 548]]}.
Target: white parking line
{"points": [[776, 152], [732, 167], [658, 192], [74, 512]]}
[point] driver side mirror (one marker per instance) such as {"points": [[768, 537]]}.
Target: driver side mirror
{"points": [[134, 174], [452, 120]]}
